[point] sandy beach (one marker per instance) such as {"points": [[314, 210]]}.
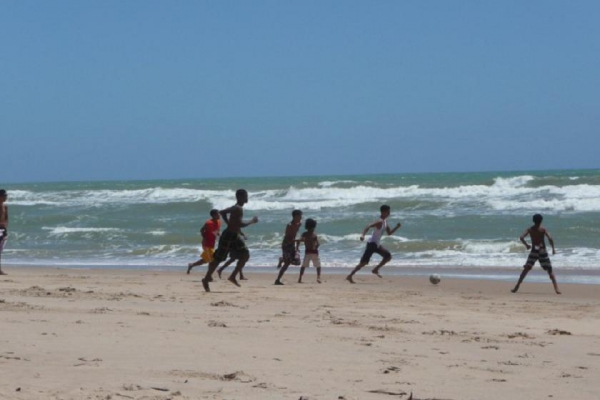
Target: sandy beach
{"points": [[119, 334]]}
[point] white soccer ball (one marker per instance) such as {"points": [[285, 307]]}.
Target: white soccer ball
{"points": [[435, 278]]}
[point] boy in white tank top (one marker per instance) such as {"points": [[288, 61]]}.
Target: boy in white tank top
{"points": [[374, 243]]}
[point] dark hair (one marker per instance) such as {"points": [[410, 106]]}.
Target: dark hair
{"points": [[2, 192], [241, 192], [214, 212], [384, 207], [310, 224], [537, 219], [296, 212]]}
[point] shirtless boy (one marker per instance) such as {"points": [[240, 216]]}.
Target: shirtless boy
{"points": [[374, 245], [231, 240], [538, 251], [289, 245], [3, 224]]}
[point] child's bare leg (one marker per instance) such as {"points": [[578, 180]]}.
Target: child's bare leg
{"points": [[194, 264], [280, 263], [227, 264], [381, 264], [521, 278], [318, 274], [284, 268], [301, 273], [238, 269], [208, 277], [553, 279], [354, 271]]}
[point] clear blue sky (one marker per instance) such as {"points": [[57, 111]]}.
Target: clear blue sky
{"points": [[179, 89]]}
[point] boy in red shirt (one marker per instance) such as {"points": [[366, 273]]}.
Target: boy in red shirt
{"points": [[210, 231]]}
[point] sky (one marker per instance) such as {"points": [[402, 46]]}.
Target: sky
{"points": [[119, 90]]}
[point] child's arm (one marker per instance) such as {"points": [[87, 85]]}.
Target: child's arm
{"points": [[253, 220], [317, 244], [301, 240], [550, 240], [522, 238], [391, 231], [203, 230], [376, 224], [224, 214]]}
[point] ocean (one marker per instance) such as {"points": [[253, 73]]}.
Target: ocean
{"points": [[461, 224]]}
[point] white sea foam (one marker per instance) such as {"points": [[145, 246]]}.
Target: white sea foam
{"points": [[505, 194], [334, 183], [61, 230]]}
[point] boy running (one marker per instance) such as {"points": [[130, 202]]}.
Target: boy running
{"points": [[231, 240], [209, 231], [311, 249], [374, 245], [289, 245], [538, 251]]}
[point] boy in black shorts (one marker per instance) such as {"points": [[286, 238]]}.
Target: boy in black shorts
{"points": [[374, 245], [538, 251], [231, 240]]}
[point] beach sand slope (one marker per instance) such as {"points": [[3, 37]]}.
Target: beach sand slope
{"points": [[116, 334]]}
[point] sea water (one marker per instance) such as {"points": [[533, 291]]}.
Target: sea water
{"points": [[464, 223]]}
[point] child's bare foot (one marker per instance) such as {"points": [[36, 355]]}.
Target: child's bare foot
{"points": [[376, 272], [349, 279], [234, 281], [299, 281], [219, 272], [3, 273], [278, 283], [515, 289], [243, 278], [205, 285], [189, 268], [557, 292], [318, 280]]}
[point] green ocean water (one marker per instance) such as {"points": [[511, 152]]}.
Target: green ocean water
{"points": [[450, 220]]}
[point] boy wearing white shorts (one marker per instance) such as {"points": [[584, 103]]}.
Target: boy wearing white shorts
{"points": [[311, 249]]}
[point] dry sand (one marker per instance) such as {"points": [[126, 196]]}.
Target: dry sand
{"points": [[118, 334]]}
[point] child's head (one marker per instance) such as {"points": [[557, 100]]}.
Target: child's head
{"points": [[310, 224], [296, 215], [3, 195], [537, 219], [214, 214], [241, 196], [385, 210]]}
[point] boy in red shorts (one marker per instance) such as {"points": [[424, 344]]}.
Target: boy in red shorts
{"points": [[209, 231]]}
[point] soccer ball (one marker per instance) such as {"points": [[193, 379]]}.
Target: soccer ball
{"points": [[435, 278]]}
